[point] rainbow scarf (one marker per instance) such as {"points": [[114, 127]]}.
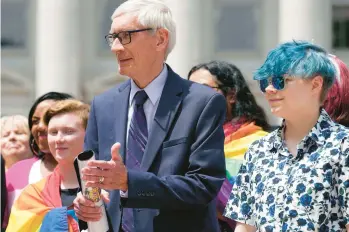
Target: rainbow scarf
{"points": [[238, 137], [39, 208]]}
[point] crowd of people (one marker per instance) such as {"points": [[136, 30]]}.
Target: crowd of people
{"points": [[185, 154]]}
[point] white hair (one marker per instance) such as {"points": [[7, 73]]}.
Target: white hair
{"points": [[334, 62], [20, 121], [151, 13]]}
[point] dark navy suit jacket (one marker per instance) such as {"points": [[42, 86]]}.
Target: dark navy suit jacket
{"points": [[183, 165]]}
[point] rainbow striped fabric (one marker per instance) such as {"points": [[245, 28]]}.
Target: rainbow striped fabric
{"points": [[236, 143], [39, 208]]}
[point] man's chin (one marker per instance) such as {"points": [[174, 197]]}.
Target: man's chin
{"points": [[124, 71]]}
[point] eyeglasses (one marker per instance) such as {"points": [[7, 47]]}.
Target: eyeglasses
{"points": [[277, 82], [124, 36]]}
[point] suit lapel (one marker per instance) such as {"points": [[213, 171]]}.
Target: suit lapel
{"points": [[170, 101], [120, 113]]}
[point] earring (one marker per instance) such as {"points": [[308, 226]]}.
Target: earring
{"points": [[33, 148]]}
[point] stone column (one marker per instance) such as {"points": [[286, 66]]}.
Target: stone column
{"points": [[306, 20], [57, 46], [269, 39], [195, 34]]}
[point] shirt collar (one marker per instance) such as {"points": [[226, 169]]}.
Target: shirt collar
{"points": [[322, 129], [319, 133], [153, 89]]}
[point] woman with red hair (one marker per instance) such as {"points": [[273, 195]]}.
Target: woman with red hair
{"points": [[337, 100]]}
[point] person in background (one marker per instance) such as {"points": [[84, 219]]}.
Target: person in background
{"points": [[245, 121], [14, 148], [48, 204], [4, 210], [14, 139], [42, 164], [158, 138], [295, 178], [337, 100]]}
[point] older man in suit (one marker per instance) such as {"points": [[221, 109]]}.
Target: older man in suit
{"points": [[158, 137]]}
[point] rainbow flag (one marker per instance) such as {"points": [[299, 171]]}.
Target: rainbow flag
{"points": [[39, 208], [235, 146]]}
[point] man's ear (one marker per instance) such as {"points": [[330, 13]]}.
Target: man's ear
{"points": [[162, 36], [317, 84]]}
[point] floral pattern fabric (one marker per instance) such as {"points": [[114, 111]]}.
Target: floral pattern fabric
{"points": [[275, 191]]}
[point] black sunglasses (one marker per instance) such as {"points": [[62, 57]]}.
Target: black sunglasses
{"points": [[278, 83]]}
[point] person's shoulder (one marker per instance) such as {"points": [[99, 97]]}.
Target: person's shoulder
{"points": [[194, 95], [110, 93], [199, 90], [36, 188], [200, 93], [191, 87], [22, 165], [17, 177], [29, 161]]}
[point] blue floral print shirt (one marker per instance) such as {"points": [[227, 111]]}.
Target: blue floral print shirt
{"points": [[275, 191]]}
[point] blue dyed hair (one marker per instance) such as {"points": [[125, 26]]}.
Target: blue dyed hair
{"points": [[298, 59]]}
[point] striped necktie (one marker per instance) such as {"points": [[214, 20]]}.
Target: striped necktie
{"points": [[137, 141]]}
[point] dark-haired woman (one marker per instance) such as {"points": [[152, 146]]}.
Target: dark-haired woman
{"points": [[33, 170], [245, 121]]}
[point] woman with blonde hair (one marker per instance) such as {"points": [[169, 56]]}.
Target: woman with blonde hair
{"points": [[14, 139], [14, 148]]}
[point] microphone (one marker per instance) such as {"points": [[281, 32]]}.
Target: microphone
{"points": [[92, 193]]}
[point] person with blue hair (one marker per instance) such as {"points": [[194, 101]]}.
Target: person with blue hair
{"points": [[295, 178]]}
